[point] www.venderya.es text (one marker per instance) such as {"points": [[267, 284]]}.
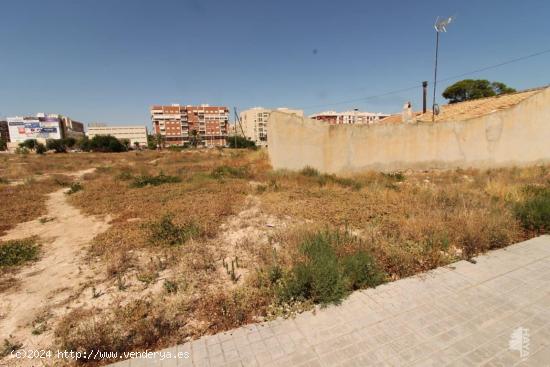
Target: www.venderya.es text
{"points": [[96, 354]]}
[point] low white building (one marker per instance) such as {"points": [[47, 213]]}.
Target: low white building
{"points": [[349, 117], [133, 133], [254, 123]]}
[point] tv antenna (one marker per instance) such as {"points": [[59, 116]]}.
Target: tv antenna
{"points": [[440, 27]]}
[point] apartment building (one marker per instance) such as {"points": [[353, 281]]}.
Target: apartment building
{"points": [[179, 125], [254, 123], [135, 134], [43, 126], [349, 117], [71, 128]]}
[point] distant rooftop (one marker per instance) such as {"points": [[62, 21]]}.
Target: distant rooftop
{"points": [[470, 109], [479, 107]]}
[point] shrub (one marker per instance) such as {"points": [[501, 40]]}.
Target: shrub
{"points": [[310, 172], [83, 144], [318, 277], [222, 172], [152, 142], [40, 148], [146, 180], [361, 271], [9, 347], [534, 211], [325, 274], [240, 142], [170, 286], [125, 176], [166, 233], [29, 144], [3, 144], [102, 143], [22, 150], [394, 176], [274, 273], [58, 145], [125, 143], [70, 142], [74, 188], [341, 181], [18, 252]]}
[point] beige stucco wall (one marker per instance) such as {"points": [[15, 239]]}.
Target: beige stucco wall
{"points": [[516, 136]]}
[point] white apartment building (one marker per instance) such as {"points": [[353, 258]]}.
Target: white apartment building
{"points": [[349, 117], [133, 133], [254, 123]]}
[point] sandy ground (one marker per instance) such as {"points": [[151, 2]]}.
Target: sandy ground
{"points": [[44, 287], [243, 234], [64, 277]]}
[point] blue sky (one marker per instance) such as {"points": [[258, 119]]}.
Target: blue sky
{"points": [[109, 60]]}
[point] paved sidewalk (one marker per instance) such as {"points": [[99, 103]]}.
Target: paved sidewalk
{"points": [[493, 313]]}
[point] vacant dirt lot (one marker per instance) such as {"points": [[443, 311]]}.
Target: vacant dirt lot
{"points": [[154, 248]]}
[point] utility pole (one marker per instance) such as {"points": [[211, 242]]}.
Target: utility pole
{"points": [[424, 95]]}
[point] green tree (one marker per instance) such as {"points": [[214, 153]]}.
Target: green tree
{"points": [[105, 143], [238, 141], [56, 144], [40, 148], [126, 143], [70, 142], [29, 144], [3, 144], [469, 89], [159, 140], [83, 144], [151, 142], [195, 138]]}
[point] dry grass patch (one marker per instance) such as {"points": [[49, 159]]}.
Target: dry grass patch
{"points": [[25, 202], [203, 241]]}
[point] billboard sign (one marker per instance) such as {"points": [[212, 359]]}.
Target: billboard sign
{"points": [[23, 128]]}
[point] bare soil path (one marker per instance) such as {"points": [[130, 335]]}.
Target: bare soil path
{"points": [[43, 287]]}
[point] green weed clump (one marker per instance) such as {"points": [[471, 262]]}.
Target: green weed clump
{"points": [[534, 210], [324, 275], [166, 233], [323, 179], [18, 252], [74, 188], [124, 176], [146, 180], [394, 176], [9, 347], [222, 172], [310, 172]]}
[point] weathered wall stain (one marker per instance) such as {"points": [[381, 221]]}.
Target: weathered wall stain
{"points": [[518, 135]]}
